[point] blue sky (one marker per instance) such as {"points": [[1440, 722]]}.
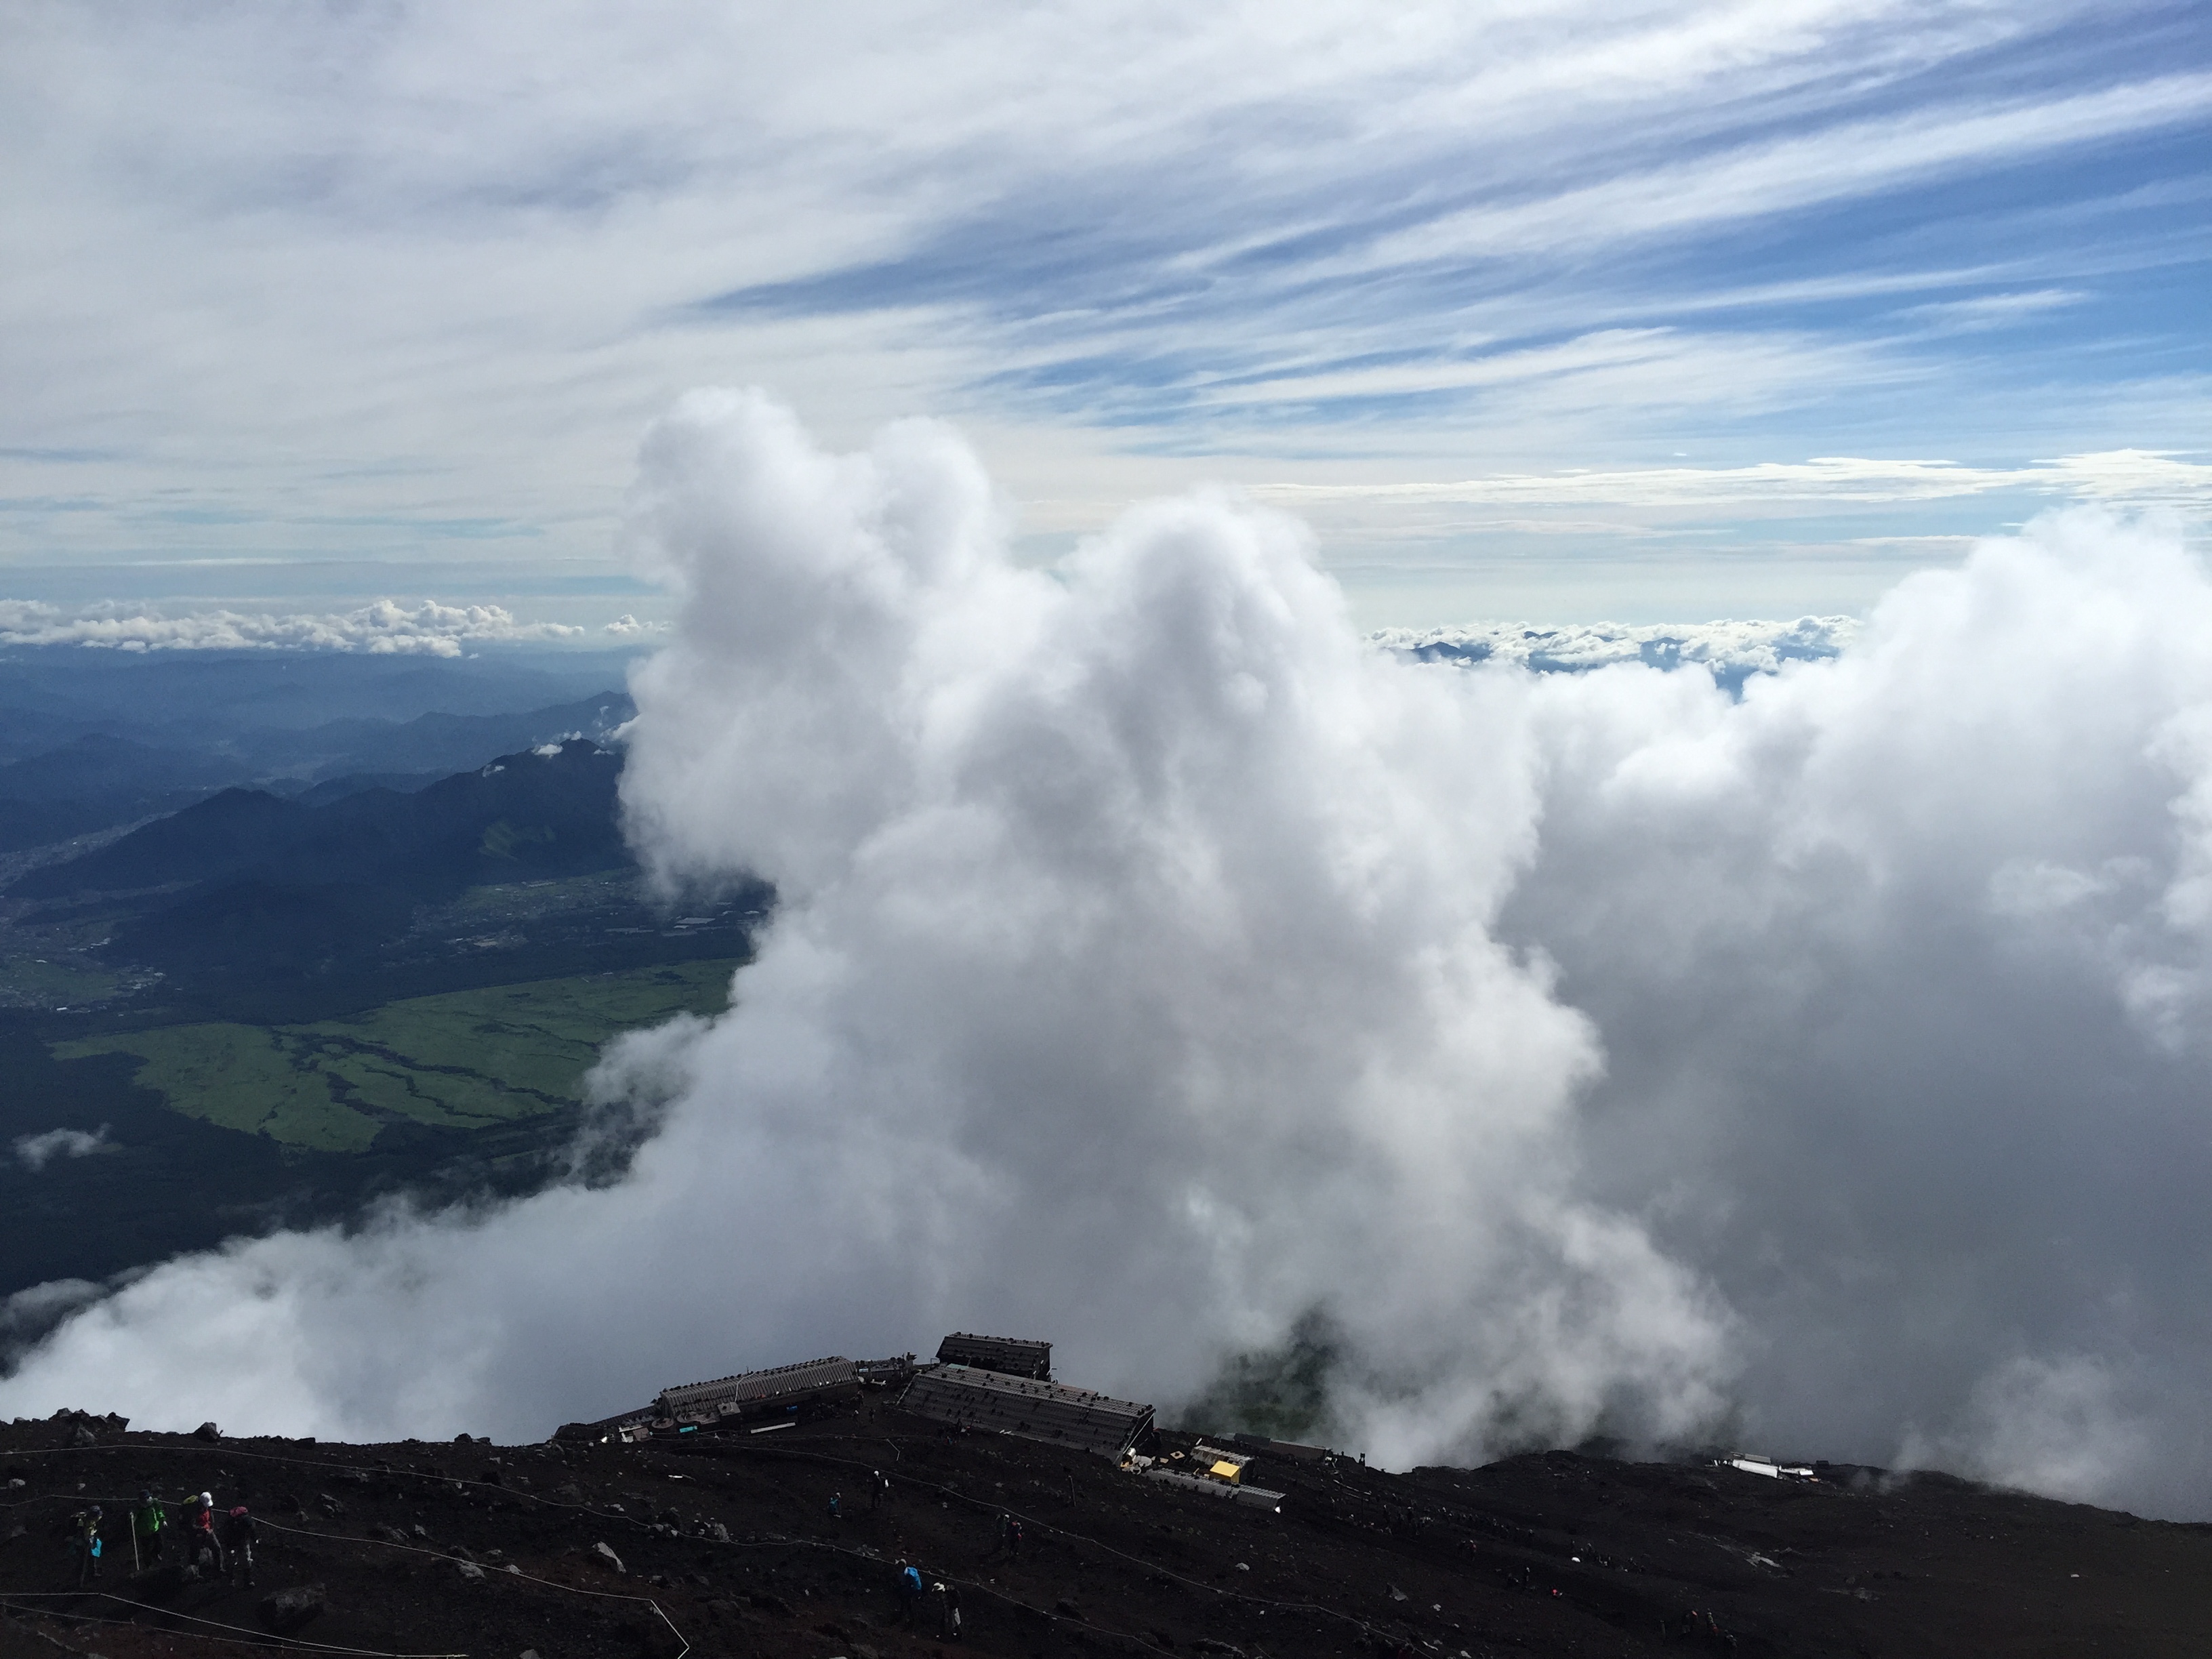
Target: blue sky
{"points": [[1638, 311]]}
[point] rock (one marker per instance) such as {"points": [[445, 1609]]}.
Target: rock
{"points": [[83, 1436], [288, 1610], [718, 1532], [329, 1506], [207, 1431], [464, 1440], [570, 1493], [608, 1556], [388, 1533], [459, 1552], [468, 1569], [416, 1531]]}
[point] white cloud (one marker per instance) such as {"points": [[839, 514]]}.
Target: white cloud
{"points": [[36, 1152], [384, 628], [1600, 1048], [2123, 476]]}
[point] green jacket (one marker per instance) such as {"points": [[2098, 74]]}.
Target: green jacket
{"points": [[146, 1520]]}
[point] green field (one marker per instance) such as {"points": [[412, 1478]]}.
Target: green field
{"points": [[463, 1061]]}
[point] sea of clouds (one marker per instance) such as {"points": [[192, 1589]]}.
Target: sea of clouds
{"points": [[381, 627], [1813, 1058]]}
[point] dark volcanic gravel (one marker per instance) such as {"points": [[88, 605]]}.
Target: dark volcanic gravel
{"points": [[727, 1544]]}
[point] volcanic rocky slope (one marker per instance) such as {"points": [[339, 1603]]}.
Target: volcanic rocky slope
{"points": [[728, 1544]]}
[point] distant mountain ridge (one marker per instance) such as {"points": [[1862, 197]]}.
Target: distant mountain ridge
{"points": [[267, 885], [97, 780]]}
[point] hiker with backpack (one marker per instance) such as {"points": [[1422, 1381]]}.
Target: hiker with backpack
{"points": [[202, 1551], [84, 1543], [148, 1523], [238, 1546]]}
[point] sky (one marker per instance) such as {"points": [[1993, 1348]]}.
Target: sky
{"points": [[1640, 311]]}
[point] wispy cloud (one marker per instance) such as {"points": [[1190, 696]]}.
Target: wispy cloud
{"points": [[34, 1152], [2128, 476], [354, 283]]}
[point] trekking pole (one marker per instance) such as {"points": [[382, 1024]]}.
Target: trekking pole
{"points": [[134, 1568]]}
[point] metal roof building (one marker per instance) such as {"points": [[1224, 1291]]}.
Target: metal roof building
{"points": [[751, 1393], [1009, 1355], [1050, 1412]]}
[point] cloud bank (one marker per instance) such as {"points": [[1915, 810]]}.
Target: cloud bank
{"points": [[1160, 962], [383, 628]]}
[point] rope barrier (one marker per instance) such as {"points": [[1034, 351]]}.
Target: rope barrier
{"points": [[260, 1638], [1039, 1521], [489, 1578]]}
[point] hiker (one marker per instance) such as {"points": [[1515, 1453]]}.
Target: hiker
{"points": [[201, 1549], [837, 1500], [909, 1592], [1013, 1538], [148, 1523], [876, 1484], [84, 1543], [948, 1612], [238, 1546]]}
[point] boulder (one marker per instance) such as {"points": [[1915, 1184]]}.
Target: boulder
{"points": [[607, 1556], [207, 1431], [287, 1610]]}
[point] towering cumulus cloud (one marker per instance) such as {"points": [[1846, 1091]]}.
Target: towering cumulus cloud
{"points": [[1157, 963]]}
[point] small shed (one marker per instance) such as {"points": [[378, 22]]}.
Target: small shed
{"points": [[1010, 1356], [1051, 1412]]}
